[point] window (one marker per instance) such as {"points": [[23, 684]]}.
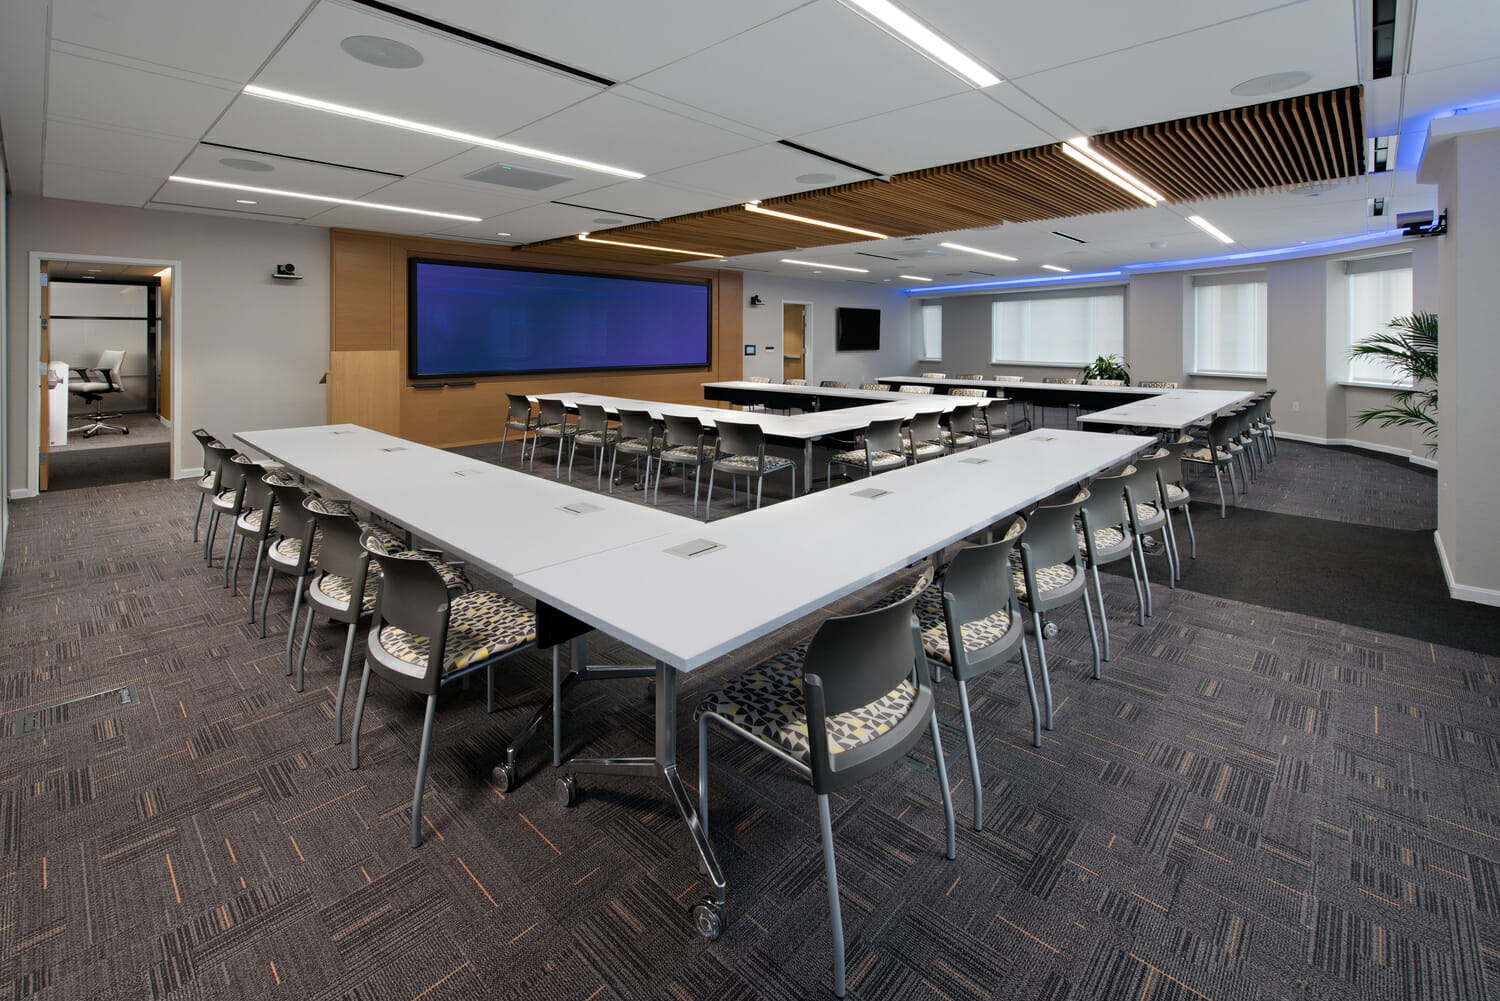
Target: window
{"points": [[1229, 324], [1061, 327], [1379, 289], [932, 331]]}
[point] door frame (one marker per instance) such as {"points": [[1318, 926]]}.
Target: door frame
{"points": [[34, 355], [807, 327]]}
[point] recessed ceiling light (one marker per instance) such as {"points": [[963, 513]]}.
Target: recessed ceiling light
{"points": [[95, 271], [246, 201], [240, 163], [815, 178], [431, 130], [815, 264], [322, 198], [1054, 267], [1210, 229], [755, 207], [924, 39], [976, 250], [1271, 83], [917, 278], [1079, 150], [645, 246], [384, 52], [502, 234]]}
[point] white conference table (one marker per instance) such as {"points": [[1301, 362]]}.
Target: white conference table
{"points": [[1021, 389], [1173, 410], [824, 397]]}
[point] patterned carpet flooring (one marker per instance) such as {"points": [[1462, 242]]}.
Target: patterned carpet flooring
{"points": [[1251, 804]]}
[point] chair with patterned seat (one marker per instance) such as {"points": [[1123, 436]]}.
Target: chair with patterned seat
{"points": [[553, 423], [255, 523], [294, 553], [1107, 535], [592, 431], [833, 384], [1156, 384], [228, 498], [855, 700], [961, 431], [1050, 576], [1147, 514], [418, 613], [639, 435], [741, 451], [1217, 452], [685, 443], [924, 438], [934, 375], [881, 447], [1174, 491], [794, 382], [993, 421], [916, 390], [975, 377], [518, 417], [867, 386], [208, 482], [968, 392]]}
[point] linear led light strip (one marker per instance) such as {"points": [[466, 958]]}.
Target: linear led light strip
{"points": [[976, 250], [254, 90], [916, 278], [1079, 150], [1210, 229], [755, 207], [322, 198], [646, 246], [924, 39], [831, 267]]}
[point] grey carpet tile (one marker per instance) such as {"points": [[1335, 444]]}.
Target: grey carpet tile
{"points": [[1252, 803]]}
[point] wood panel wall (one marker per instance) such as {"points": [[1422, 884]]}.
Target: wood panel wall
{"points": [[367, 381]]}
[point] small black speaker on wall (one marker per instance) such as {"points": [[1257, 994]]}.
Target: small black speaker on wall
{"points": [[286, 271]]}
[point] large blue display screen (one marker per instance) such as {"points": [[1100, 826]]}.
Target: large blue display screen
{"points": [[471, 320]]}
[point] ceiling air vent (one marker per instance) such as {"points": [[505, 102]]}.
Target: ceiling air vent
{"points": [[509, 176]]}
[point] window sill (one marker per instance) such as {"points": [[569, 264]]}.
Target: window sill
{"points": [[1074, 365], [1395, 387], [1259, 376]]}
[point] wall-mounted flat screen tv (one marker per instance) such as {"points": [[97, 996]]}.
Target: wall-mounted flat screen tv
{"points": [[856, 329], [475, 320]]}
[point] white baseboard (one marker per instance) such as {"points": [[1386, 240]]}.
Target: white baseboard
{"points": [[188, 474], [22, 493], [1368, 446], [1463, 592]]}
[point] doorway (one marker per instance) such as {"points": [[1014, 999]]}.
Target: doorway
{"points": [[796, 323], [86, 312]]}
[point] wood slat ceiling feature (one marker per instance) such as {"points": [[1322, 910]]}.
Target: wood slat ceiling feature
{"points": [[1293, 142]]}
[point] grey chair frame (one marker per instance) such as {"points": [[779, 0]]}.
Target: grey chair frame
{"points": [[636, 425], [684, 432], [341, 553], [925, 429], [552, 422], [1104, 508], [293, 521], [1221, 449], [519, 416], [92, 390], [995, 420], [259, 497], [961, 431], [879, 436], [1142, 490], [207, 483], [593, 421], [852, 661], [1051, 539], [228, 496], [734, 439]]}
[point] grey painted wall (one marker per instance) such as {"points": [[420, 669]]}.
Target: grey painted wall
{"points": [[251, 348], [898, 339]]}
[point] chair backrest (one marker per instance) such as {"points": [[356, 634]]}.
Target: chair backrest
{"points": [[682, 430], [517, 407], [1155, 384], [967, 392], [342, 554], [259, 497], [854, 661], [636, 424], [1104, 507], [978, 583], [934, 375], [592, 417], [737, 438], [971, 378], [205, 438], [1050, 537], [833, 384], [927, 427], [1060, 380], [759, 378], [870, 385], [110, 363], [1105, 382], [217, 456], [884, 435], [1009, 378], [552, 411], [961, 420], [997, 415], [1143, 486], [796, 382], [294, 520], [412, 598], [919, 390]]}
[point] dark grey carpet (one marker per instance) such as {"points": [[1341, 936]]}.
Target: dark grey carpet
{"points": [[1252, 804], [101, 467]]}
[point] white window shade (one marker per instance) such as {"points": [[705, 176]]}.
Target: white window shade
{"points": [[932, 331], [1061, 327], [1229, 324], [1379, 290]]}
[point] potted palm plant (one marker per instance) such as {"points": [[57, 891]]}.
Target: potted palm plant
{"points": [[1107, 367], [1410, 347]]}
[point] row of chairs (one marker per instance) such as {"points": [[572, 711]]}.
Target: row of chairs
{"points": [[860, 695], [1242, 439], [428, 627]]}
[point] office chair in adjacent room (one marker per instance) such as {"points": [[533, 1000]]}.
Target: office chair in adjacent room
{"points": [[92, 384]]}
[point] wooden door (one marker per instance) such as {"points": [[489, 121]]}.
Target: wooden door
{"points": [[793, 340]]}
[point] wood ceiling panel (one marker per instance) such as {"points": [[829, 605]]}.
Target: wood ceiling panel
{"points": [[1308, 140]]}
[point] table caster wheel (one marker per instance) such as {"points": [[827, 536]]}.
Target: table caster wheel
{"points": [[567, 790], [1049, 630], [708, 916], [124, 430], [503, 776]]}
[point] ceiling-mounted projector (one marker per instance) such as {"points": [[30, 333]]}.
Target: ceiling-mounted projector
{"points": [[1421, 224]]}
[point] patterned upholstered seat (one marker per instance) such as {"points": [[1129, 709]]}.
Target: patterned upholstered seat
{"points": [[682, 453], [921, 451], [1051, 578], [250, 520], [280, 477], [957, 439], [976, 635], [870, 385], [879, 461], [481, 624], [288, 551], [917, 390], [336, 590], [751, 464], [967, 392], [768, 702]]}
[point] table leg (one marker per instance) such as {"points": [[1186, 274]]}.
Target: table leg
{"points": [[807, 480], [663, 764]]}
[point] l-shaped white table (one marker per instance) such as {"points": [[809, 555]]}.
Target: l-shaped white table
{"points": [[680, 591]]}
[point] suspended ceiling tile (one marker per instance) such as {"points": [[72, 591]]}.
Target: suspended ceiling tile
{"points": [[92, 90], [480, 200], [622, 40], [636, 136], [242, 216], [23, 84], [761, 172], [89, 184], [278, 128], [1192, 73], [647, 199], [355, 217], [206, 162], [78, 144], [961, 127], [536, 222], [1383, 100], [455, 171], [1454, 32], [816, 67], [220, 199], [1443, 90], [227, 39], [459, 85]]}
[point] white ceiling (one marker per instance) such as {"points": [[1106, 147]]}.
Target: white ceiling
{"points": [[102, 100]]}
